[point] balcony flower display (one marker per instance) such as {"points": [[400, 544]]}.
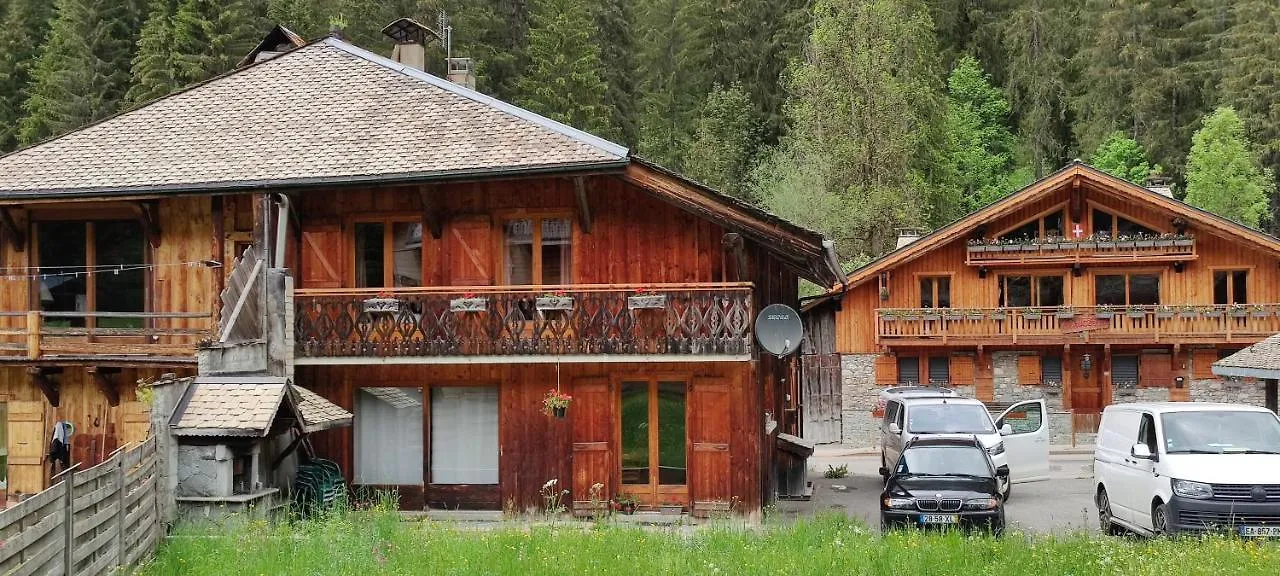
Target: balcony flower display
{"points": [[1105, 312], [1258, 311], [383, 303], [1065, 312], [555, 403], [1164, 312], [468, 303], [1031, 313], [556, 300], [646, 299], [1238, 311]]}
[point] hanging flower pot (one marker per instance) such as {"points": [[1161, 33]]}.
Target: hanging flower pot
{"points": [[555, 403]]}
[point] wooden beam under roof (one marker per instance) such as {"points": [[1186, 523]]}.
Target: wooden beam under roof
{"points": [[104, 379], [432, 211], [41, 378], [584, 209], [11, 230]]}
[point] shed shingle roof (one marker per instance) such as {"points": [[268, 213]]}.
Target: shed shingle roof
{"points": [[328, 111], [1261, 360], [247, 406], [318, 413]]}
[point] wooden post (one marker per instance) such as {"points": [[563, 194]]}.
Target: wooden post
{"points": [[69, 520], [33, 334], [121, 492]]}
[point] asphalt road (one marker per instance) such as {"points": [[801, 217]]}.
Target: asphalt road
{"points": [[1060, 505]]}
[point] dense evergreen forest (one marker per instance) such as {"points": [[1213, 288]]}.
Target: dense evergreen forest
{"points": [[855, 117]]}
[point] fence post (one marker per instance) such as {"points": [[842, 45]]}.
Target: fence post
{"points": [[121, 492], [69, 521]]}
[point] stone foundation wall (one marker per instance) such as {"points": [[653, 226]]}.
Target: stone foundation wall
{"points": [[1007, 389], [1230, 391], [1120, 395], [858, 428]]}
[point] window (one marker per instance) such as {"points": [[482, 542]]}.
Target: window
{"points": [[939, 370], [1106, 223], [1230, 287], [1024, 291], [1025, 420], [935, 292], [67, 247], [908, 370], [1147, 432], [1126, 289], [1046, 226], [464, 435], [891, 412], [1051, 369], [1124, 371], [388, 436], [537, 254], [388, 254], [653, 433]]}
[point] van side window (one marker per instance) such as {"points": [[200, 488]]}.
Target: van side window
{"points": [[890, 412], [1147, 432], [900, 420]]}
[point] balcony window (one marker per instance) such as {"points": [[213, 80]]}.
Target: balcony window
{"points": [[1230, 287], [1044, 226], [935, 292], [464, 435], [67, 249], [388, 436], [538, 251], [1127, 289], [1114, 225], [388, 254], [1024, 291]]}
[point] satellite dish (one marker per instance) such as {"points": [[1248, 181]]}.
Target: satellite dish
{"points": [[778, 329]]}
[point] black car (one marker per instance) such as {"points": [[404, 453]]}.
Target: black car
{"points": [[943, 482]]}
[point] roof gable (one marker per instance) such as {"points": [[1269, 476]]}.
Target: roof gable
{"points": [[325, 112]]}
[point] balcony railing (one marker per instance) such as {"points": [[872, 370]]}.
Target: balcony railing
{"points": [[1134, 324], [34, 335], [1086, 251], [657, 319]]}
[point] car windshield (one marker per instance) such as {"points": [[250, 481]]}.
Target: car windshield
{"points": [[1221, 431], [949, 419], [944, 461]]}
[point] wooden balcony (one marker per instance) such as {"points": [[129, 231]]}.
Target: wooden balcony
{"points": [[1133, 325], [106, 337], [592, 323], [1089, 252]]}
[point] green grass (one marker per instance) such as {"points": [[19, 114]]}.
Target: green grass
{"points": [[379, 543]]}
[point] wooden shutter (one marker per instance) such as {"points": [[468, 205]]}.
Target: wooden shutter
{"points": [[962, 370], [710, 430], [1202, 363], [28, 443], [322, 256], [886, 370], [593, 462], [468, 251], [1029, 369], [1156, 370], [135, 420], [939, 370]]}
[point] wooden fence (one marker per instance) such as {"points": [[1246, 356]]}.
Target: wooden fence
{"points": [[109, 514]]}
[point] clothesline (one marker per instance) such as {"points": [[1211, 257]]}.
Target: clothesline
{"points": [[28, 273]]}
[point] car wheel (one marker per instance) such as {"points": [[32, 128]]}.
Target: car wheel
{"points": [[1008, 491], [1105, 523], [1160, 519]]}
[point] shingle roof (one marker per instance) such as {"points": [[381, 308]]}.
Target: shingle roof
{"points": [[327, 111], [318, 413], [1261, 360], [247, 406]]}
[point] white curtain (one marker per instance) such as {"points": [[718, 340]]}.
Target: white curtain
{"points": [[464, 435], [388, 436]]}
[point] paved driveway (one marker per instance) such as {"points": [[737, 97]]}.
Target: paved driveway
{"points": [[1062, 504]]}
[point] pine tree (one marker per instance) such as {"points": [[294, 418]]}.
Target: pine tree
{"points": [[1123, 157], [565, 80], [979, 162], [725, 141], [83, 70], [1224, 175], [1250, 72], [667, 107], [613, 35], [1038, 37], [152, 72], [23, 27], [210, 36]]}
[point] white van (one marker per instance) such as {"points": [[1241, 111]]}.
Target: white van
{"points": [[1018, 441], [1182, 466]]}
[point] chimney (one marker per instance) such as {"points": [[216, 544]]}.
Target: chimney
{"points": [[1160, 184], [460, 72], [908, 235], [411, 42]]}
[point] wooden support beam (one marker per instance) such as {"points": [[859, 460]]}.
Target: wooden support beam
{"points": [[735, 245], [40, 377], [104, 378], [12, 231], [584, 209], [432, 211], [297, 441], [149, 214]]}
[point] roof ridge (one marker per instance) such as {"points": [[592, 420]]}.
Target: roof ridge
{"points": [[479, 97]]}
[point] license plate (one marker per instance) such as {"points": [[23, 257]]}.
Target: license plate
{"points": [[939, 519], [1260, 531]]}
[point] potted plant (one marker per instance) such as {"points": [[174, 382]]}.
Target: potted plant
{"points": [[1124, 242], [625, 503], [1144, 241], [1028, 245], [1065, 312], [976, 245], [1010, 245], [1258, 311], [974, 315], [1088, 243], [1189, 311], [1183, 240], [383, 303], [1164, 240], [468, 303], [1105, 241], [554, 301], [888, 315], [1238, 311], [1164, 312], [646, 299], [1135, 312], [951, 314], [1030, 313], [910, 315], [1065, 243], [1105, 312], [671, 509], [1213, 312], [931, 314], [884, 293], [555, 403], [999, 314]]}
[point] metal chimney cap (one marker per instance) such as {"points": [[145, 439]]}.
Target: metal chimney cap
{"points": [[409, 31]]}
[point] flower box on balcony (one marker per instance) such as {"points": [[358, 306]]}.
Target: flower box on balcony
{"points": [[553, 303], [1189, 313], [1258, 312], [910, 316], [646, 301], [1164, 243], [951, 316], [1029, 247], [977, 248], [1145, 243], [1088, 245], [975, 316], [1183, 242], [468, 304], [888, 316], [1135, 313], [930, 317], [1213, 314], [1107, 245], [1239, 313], [1164, 313], [1010, 247], [1068, 245], [998, 315], [1125, 244], [381, 306], [1104, 314], [1032, 314], [1065, 314]]}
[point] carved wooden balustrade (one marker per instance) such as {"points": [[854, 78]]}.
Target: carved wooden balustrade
{"points": [[660, 319]]}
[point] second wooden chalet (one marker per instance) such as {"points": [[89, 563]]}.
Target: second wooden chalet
{"points": [[1081, 288]]}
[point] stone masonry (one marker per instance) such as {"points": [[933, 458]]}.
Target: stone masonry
{"points": [[1231, 391], [858, 428]]}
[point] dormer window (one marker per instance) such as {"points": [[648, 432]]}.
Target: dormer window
{"points": [[1115, 226], [1047, 225]]}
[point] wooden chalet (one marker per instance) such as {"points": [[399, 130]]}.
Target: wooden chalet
{"points": [[1081, 287], [437, 261]]}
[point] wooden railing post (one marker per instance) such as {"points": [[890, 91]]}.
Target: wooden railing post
{"points": [[33, 334]]}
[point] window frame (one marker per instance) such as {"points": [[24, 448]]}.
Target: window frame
{"points": [[500, 248], [654, 487], [1061, 208], [87, 218], [934, 287], [388, 221], [1230, 272], [1002, 288], [1115, 220], [1128, 274], [424, 415], [428, 446]]}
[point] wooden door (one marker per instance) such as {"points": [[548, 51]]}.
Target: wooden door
{"points": [[135, 422], [468, 251], [321, 256], [820, 397], [710, 465], [28, 442], [1086, 390], [592, 421]]}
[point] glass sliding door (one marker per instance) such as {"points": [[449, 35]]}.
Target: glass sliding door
{"points": [[388, 436]]}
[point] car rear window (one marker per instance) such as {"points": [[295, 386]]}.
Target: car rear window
{"points": [[949, 419], [944, 460]]}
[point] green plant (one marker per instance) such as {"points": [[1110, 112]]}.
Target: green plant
{"points": [[552, 498], [555, 399], [836, 471]]}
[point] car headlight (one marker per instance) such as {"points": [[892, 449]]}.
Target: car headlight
{"points": [[896, 503], [1189, 489], [997, 449], [981, 504]]}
